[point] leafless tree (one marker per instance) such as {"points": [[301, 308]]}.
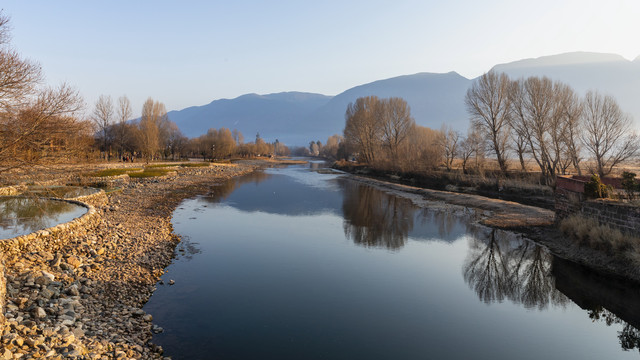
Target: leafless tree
{"points": [[363, 127], [449, 141], [569, 109], [396, 125], [37, 124], [121, 131], [470, 146], [608, 135], [488, 103], [152, 123], [102, 117]]}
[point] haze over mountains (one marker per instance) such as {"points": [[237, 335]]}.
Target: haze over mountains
{"points": [[295, 118]]}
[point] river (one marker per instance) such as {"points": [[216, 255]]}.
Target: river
{"points": [[300, 263]]}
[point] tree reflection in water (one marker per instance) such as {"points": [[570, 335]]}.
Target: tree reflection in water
{"points": [[373, 218], [222, 190], [501, 266]]}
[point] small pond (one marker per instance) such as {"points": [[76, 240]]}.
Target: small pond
{"points": [[20, 215]]}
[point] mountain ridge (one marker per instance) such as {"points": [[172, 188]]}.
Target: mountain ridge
{"points": [[296, 117]]}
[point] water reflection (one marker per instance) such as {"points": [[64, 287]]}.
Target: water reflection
{"points": [[502, 266], [374, 218], [221, 191], [608, 300], [24, 215]]}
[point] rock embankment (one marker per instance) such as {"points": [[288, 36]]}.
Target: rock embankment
{"points": [[78, 294]]}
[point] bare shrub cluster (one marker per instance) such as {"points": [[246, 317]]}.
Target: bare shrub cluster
{"points": [[589, 233]]}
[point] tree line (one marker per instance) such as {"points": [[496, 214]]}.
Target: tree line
{"points": [[548, 122], [46, 125], [536, 119]]}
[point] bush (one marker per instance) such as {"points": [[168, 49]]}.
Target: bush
{"points": [[589, 233], [595, 189], [629, 184]]}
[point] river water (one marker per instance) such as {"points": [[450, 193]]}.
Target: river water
{"points": [[295, 263]]}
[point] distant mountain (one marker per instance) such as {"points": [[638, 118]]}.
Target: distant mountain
{"points": [[434, 99], [274, 116], [295, 118], [608, 73]]}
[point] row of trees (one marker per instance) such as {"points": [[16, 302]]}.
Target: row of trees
{"points": [[548, 122], [45, 125], [154, 136]]}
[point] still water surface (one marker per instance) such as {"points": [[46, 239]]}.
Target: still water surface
{"points": [[291, 263], [21, 215]]}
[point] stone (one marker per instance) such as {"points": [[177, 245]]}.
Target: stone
{"points": [[74, 261], [42, 280], [39, 313]]}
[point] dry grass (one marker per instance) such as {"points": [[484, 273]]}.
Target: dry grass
{"points": [[588, 232]]}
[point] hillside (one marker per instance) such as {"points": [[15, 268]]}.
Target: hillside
{"points": [[295, 118]]}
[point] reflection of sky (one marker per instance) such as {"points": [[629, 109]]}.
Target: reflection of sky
{"points": [[21, 216], [286, 194]]}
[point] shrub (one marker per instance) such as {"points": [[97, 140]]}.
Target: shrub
{"points": [[629, 184], [589, 233], [595, 189]]}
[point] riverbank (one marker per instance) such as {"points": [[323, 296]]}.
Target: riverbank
{"points": [[82, 298], [534, 223]]}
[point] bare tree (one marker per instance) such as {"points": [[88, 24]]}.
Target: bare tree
{"points": [[363, 127], [569, 109], [488, 103], [396, 125], [470, 146], [121, 131], [102, 117], [153, 121], [608, 135], [46, 130], [36, 124], [449, 141]]}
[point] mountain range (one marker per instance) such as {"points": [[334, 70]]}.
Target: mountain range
{"points": [[295, 118]]}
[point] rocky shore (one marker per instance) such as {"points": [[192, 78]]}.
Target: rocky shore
{"points": [[79, 294]]}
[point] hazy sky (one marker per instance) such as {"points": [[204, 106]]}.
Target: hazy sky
{"points": [[187, 53]]}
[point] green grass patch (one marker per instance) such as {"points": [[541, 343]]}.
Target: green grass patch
{"points": [[155, 166], [153, 172], [112, 172], [195, 164]]}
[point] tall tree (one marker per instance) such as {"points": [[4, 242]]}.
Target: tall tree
{"points": [[363, 128], [488, 104], [396, 125], [608, 135], [121, 131], [102, 117], [153, 121]]}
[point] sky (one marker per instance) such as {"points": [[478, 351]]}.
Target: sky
{"points": [[189, 53]]}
